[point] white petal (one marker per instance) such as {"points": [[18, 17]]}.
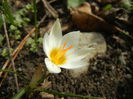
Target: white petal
{"points": [[46, 46], [55, 36], [56, 29], [74, 65], [54, 39], [72, 38], [78, 54], [54, 42], [52, 68], [75, 58]]}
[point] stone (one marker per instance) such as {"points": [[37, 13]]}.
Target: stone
{"points": [[90, 40]]}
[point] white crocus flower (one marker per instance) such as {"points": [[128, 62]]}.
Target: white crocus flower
{"points": [[62, 51]]}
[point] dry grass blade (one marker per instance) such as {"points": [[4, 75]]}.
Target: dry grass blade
{"points": [[10, 56], [15, 54], [7, 64]]}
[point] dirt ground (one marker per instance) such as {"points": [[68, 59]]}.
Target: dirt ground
{"points": [[109, 76]]}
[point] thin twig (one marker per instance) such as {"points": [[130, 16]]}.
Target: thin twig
{"points": [[16, 52], [52, 11], [51, 1], [11, 58]]}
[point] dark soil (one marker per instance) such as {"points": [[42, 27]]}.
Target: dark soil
{"points": [[108, 76]]}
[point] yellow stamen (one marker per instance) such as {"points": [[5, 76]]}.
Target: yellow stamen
{"points": [[58, 55]]}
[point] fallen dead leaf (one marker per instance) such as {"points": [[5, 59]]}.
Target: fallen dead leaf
{"points": [[107, 1], [45, 85], [46, 95], [84, 19], [36, 77]]}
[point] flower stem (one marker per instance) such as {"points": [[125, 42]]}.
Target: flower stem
{"points": [[35, 20]]}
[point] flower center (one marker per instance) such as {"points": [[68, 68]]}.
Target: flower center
{"points": [[58, 55]]}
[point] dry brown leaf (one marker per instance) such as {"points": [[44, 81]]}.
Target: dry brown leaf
{"points": [[107, 1], [37, 76], [47, 95], [84, 19], [45, 85]]}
